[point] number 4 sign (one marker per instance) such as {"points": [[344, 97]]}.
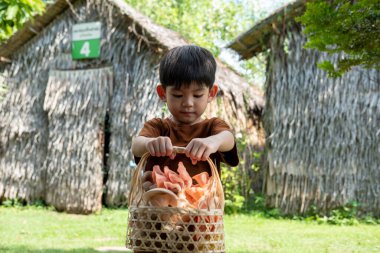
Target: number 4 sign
{"points": [[86, 40]]}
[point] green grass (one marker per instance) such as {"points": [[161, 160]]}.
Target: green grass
{"points": [[32, 230]]}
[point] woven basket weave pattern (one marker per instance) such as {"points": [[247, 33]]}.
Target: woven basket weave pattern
{"points": [[173, 229]]}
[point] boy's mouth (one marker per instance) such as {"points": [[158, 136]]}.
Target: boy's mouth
{"points": [[188, 114]]}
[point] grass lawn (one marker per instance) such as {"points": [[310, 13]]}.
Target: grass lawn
{"points": [[32, 230]]}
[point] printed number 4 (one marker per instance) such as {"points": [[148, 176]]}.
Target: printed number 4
{"points": [[85, 50]]}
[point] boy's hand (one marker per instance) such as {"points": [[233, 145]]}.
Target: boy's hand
{"points": [[160, 146], [200, 149]]}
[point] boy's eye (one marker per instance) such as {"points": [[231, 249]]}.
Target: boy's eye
{"points": [[198, 95], [176, 95]]}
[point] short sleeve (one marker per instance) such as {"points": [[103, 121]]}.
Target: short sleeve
{"points": [[219, 125], [152, 128], [229, 157]]}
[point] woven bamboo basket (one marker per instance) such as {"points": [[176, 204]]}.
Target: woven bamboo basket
{"points": [[176, 229]]}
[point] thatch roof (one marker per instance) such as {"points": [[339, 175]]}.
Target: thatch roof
{"points": [[53, 127], [158, 37], [154, 34], [256, 39], [322, 139]]}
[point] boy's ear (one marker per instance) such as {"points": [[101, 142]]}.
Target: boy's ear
{"points": [[161, 92], [213, 91]]}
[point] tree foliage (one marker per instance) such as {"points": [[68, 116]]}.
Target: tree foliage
{"points": [[207, 23], [351, 27], [14, 13], [211, 24]]}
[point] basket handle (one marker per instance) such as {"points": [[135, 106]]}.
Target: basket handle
{"points": [[136, 184]]}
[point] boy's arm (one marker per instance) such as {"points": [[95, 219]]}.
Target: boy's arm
{"points": [[201, 148], [156, 146], [226, 140]]}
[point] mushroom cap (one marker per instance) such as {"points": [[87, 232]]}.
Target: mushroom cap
{"points": [[160, 197]]}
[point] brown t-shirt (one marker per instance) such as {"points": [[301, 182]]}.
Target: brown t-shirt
{"points": [[181, 135]]}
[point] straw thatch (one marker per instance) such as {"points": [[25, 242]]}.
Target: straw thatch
{"points": [[23, 127], [322, 133], [50, 104], [76, 102]]}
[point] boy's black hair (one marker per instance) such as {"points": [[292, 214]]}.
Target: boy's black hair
{"points": [[187, 64]]}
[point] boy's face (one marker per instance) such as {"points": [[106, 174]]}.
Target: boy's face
{"points": [[187, 104]]}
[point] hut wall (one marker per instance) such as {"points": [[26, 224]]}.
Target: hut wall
{"points": [[76, 102], [22, 141], [30, 134], [323, 134], [24, 125]]}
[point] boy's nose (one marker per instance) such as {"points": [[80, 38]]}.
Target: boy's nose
{"points": [[187, 102]]}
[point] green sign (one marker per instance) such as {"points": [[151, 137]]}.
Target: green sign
{"points": [[86, 40]]}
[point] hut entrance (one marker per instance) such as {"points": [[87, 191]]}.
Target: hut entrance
{"points": [[76, 102], [106, 150]]}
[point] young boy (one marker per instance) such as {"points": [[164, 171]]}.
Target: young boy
{"points": [[187, 76]]}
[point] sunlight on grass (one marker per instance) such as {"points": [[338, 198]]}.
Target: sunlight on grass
{"points": [[271, 235], [32, 230]]}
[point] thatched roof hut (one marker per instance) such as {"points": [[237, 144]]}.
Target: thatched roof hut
{"points": [[323, 134], [66, 125]]}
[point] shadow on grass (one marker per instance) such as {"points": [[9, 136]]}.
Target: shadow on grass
{"points": [[23, 249]]}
